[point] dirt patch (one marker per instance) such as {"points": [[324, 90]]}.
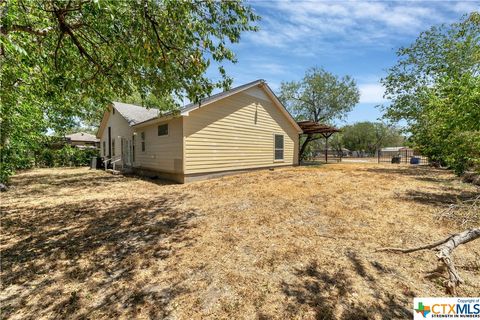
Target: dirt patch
{"points": [[290, 243]]}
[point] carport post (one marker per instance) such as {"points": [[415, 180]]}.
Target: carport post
{"points": [[326, 136], [326, 149]]}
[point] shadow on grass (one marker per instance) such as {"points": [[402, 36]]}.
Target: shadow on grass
{"points": [[326, 292], [438, 199], [86, 259], [44, 184], [312, 163], [410, 170], [449, 195], [422, 173]]}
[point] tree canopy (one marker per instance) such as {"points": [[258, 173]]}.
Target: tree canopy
{"points": [[369, 137], [435, 88], [320, 96], [64, 60], [364, 137]]}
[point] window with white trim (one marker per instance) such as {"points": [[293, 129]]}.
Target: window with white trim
{"points": [[142, 135], [279, 146]]}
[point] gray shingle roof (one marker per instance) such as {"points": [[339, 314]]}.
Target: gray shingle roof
{"points": [[220, 95], [135, 114], [82, 136]]}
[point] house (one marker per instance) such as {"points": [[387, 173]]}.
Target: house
{"points": [[396, 151], [244, 128], [82, 140], [393, 149]]}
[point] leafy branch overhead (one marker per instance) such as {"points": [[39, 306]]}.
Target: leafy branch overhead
{"points": [[159, 46], [66, 60]]}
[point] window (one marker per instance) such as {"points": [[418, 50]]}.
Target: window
{"points": [[279, 147], [104, 148], [142, 135], [113, 147], [163, 130]]}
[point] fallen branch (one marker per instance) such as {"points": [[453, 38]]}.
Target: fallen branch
{"points": [[465, 213], [444, 249]]}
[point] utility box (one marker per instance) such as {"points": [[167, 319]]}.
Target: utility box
{"points": [[93, 163]]}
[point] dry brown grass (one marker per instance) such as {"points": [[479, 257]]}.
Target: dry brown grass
{"points": [[289, 243]]}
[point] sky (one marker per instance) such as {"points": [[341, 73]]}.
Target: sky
{"points": [[356, 38]]}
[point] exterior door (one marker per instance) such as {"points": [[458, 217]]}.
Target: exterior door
{"points": [[127, 152], [109, 142]]}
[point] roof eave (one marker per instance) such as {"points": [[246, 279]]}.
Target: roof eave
{"points": [[187, 110], [149, 122], [103, 123]]}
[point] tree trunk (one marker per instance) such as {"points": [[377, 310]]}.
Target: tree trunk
{"points": [[444, 249], [301, 154]]}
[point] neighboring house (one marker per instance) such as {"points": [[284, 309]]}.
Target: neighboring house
{"points": [[394, 149], [240, 129], [82, 140]]}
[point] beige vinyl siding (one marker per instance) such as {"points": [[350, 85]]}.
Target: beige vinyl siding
{"points": [[237, 133], [162, 153], [120, 128]]}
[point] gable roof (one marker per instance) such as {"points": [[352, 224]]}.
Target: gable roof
{"points": [[82, 136], [135, 114], [218, 96], [184, 111]]}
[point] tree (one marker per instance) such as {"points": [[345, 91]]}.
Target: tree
{"points": [[435, 87], [320, 96], [65, 60], [369, 137], [337, 144]]}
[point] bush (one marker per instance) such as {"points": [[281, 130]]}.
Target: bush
{"points": [[13, 158], [65, 157]]}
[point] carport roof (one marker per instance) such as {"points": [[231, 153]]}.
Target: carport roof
{"points": [[311, 127]]}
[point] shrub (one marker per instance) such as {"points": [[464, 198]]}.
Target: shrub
{"points": [[66, 156]]}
